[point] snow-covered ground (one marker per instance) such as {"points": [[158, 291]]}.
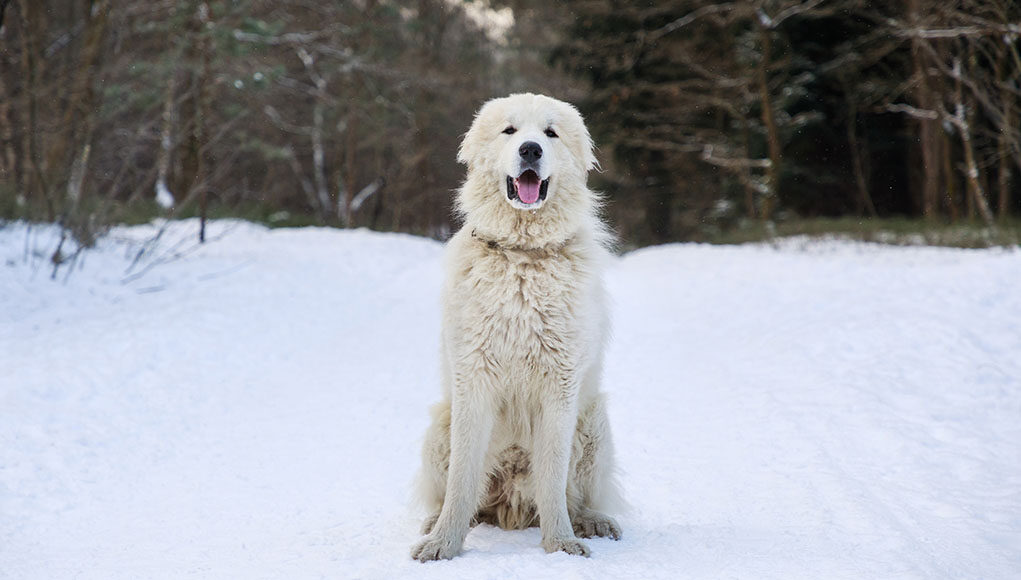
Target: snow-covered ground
{"points": [[254, 408]]}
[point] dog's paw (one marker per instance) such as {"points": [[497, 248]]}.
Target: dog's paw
{"points": [[569, 545], [590, 524], [435, 547]]}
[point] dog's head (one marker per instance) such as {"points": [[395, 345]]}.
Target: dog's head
{"points": [[530, 148]]}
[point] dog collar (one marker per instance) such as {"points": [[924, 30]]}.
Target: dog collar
{"points": [[494, 245]]}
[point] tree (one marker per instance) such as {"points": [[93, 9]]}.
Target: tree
{"points": [[346, 112], [687, 85], [965, 65], [801, 106]]}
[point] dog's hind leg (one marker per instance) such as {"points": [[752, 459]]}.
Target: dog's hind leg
{"points": [[432, 480], [591, 487], [471, 425]]}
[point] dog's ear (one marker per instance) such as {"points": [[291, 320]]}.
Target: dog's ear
{"points": [[468, 148], [587, 155], [471, 143]]}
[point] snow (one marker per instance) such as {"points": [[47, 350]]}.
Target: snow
{"points": [[253, 408], [164, 198]]}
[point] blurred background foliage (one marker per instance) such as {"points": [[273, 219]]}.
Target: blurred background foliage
{"points": [[714, 120]]}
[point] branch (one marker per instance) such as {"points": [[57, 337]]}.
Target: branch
{"points": [[793, 11], [282, 124], [366, 193], [913, 111], [289, 38], [689, 18], [980, 27], [708, 157]]}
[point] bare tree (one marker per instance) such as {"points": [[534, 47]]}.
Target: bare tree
{"points": [[968, 49]]}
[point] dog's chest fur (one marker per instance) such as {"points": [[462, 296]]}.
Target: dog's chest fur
{"points": [[519, 308]]}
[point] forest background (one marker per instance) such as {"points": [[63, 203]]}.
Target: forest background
{"points": [[714, 120]]}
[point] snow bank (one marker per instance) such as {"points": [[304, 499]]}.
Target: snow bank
{"points": [[253, 408]]}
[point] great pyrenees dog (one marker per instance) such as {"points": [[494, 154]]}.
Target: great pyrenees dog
{"points": [[521, 436]]}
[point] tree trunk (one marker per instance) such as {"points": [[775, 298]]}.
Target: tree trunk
{"points": [[746, 174], [81, 111], [769, 121], [9, 151], [350, 154], [950, 184], [963, 118], [1003, 139], [319, 160], [928, 129], [201, 96], [31, 67], [164, 195], [324, 205], [864, 200]]}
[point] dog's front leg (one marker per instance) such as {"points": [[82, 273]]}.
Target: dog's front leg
{"points": [[551, 456], [471, 424]]}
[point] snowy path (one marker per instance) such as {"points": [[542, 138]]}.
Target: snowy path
{"points": [[254, 410]]}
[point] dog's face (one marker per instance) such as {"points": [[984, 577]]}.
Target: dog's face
{"points": [[528, 147]]}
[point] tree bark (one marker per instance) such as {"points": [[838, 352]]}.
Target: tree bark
{"points": [[858, 165], [746, 174], [31, 67], [204, 17], [81, 111], [952, 202], [9, 153], [1003, 144], [350, 154], [769, 121], [166, 147], [319, 171], [962, 118], [928, 129]]}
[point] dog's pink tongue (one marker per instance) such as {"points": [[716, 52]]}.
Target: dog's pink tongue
{"points": [[528, 187]]}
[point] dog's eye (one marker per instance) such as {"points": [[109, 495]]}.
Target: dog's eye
{"points": [[510, 130], [551, 133]]}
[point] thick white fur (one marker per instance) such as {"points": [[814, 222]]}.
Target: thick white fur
{"points": [[521, 436]]}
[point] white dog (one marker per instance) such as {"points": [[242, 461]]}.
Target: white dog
{"points": [[521, 437]]}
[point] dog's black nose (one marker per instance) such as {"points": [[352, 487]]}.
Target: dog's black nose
{"points": [[530, 151]]}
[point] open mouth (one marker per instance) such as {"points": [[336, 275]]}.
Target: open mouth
{"points": [[527, 188]]}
